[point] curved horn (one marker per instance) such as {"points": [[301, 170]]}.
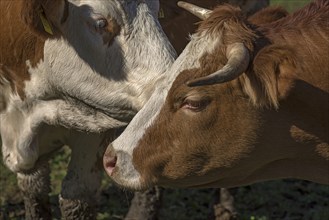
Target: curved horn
{"points": [[201, 13], [238, 61]]}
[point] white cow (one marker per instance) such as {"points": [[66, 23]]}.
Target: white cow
{"points": [[87, 65]]}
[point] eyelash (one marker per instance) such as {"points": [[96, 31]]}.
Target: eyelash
{"points": [[194, 105]]}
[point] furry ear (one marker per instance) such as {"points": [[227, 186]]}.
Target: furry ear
{"points": [[271, 76], [44, 16]]}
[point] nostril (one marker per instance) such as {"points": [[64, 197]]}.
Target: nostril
{"points": [[109, 163]]}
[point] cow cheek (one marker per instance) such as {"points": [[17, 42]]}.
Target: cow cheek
{"points": [[190, 151], [149, 159], [214, 138]]}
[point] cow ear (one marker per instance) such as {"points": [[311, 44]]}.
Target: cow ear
{"points": [[44, 17], [154, 6], [271, 76]]}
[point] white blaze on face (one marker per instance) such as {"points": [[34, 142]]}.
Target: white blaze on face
{"points": [[125, 144]]}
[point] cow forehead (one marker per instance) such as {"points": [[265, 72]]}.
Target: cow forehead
{"points": [[99, 6], [98, 9], [198, 46]]}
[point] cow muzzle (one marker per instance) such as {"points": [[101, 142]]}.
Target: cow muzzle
{"points": [[118, 164]]}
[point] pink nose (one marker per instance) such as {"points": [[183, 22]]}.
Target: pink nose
{"points": [[109, 161]]}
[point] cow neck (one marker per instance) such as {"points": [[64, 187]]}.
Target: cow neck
{"points": [[19, 46]]}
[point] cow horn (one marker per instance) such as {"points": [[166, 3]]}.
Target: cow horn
{"points": [[238, 61], [201, 13]]}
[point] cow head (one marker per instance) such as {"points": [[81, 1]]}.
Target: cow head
{"points": [[108, 29], [198, 126], [97, 53]]}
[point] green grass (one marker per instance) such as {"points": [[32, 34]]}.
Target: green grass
{"points": [[290, 5]]}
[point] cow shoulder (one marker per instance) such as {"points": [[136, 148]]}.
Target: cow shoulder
{"points": [[268, 15]]}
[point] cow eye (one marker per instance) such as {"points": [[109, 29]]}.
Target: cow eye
{"points": [[195, 105], [101, 24]]}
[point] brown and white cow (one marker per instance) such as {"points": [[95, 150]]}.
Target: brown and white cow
{"points": [[243, 103], [72, 64], [178, 25]]}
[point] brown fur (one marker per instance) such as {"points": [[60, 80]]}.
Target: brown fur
{"points": [[18, 44], [268, 15], [220, 135], [178, 23]]}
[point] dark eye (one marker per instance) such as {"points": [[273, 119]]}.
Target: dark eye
{"points": [[101, 24], [195, 105]]}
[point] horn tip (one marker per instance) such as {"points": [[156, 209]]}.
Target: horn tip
{"points": [[181, 3]]}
